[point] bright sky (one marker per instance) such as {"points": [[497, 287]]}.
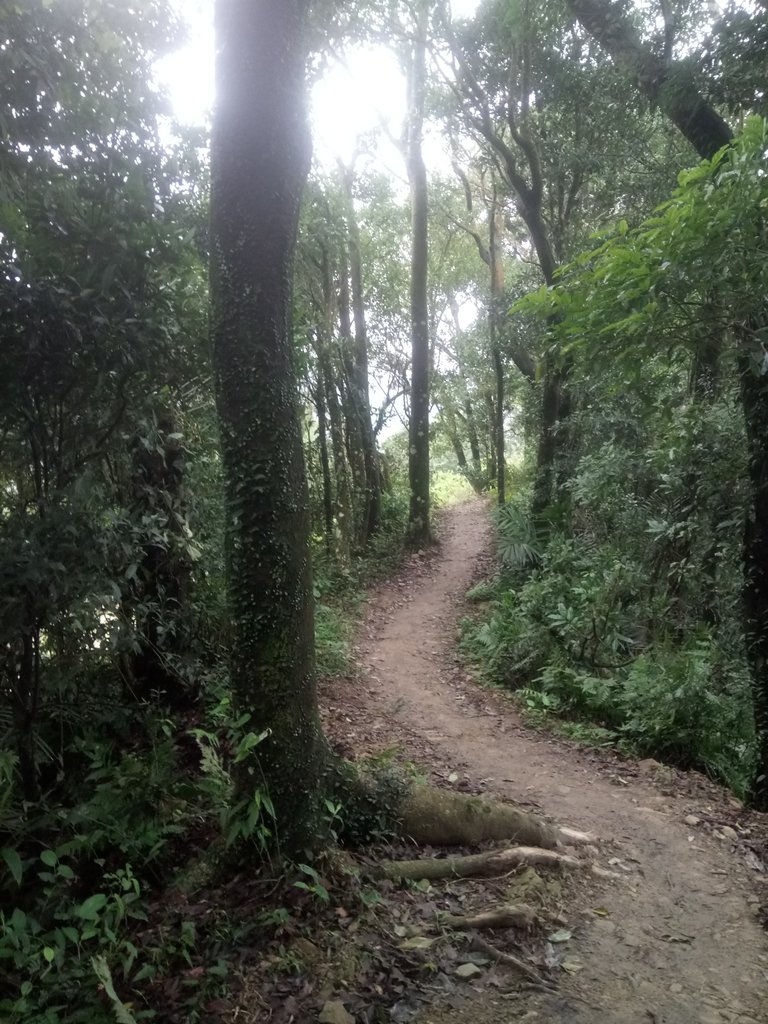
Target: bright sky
{"points": [[348, 102]]}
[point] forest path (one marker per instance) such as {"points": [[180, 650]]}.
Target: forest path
{"points": [[677, 940]]}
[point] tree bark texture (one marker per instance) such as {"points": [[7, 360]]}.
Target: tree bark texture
{"points": [[419, 532], [260, 159]]}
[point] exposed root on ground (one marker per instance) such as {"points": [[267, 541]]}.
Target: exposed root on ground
{"points": [[479, 944], [476, 865], [511, 915], [439, 817]]}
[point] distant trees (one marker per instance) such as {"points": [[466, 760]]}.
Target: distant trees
{"points": [[655, 316]]}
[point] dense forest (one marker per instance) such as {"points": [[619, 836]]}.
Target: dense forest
{"points": [[236, 384]]}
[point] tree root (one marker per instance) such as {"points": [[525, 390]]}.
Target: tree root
{"points": [[439, 817], [483, 865], [481, 946], [572, 837], [512, 915]]}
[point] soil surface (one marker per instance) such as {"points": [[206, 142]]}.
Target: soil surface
{"points": [[677, 938]]}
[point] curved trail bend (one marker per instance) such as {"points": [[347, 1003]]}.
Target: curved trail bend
{"points": [[679, 943]]}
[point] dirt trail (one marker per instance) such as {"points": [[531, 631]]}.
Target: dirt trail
{"points": [[679, 942]]}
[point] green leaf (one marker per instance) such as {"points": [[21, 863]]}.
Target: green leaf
{"points": [[13, 861], [89, 910], [101, 969], [49, 953], [247, 743], [49, 857]]}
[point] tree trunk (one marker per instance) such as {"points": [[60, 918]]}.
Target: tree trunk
{"points": [[449, 423], [350, 403], [372, 519], [161, 584], [325, 464], [544, 486], [521, 167], [419, 531], [496, 221], [458, 450], [490, 457], [344, 511], [474, 443], [23, 673], [259, 162]]}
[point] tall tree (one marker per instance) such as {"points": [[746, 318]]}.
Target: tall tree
{"points": [[495, 320], [259, 162], [496, 90], [419, 532]]}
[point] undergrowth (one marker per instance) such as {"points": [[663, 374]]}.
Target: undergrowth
{"points": [[588, 638]]}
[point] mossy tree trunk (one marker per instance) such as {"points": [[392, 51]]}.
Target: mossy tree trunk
{"points": [[260, 159]]}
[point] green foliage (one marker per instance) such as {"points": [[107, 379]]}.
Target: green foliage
{"points": [[632, 619], [449, 488], [651, 288], [120, 744], [518, 546], [333, 628], [313, 884]]}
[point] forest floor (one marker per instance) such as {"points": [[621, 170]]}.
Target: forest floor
{"points": [[676, 939]]}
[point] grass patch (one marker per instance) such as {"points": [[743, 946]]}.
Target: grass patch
{"points": [[449, 488], [334, 628]]}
